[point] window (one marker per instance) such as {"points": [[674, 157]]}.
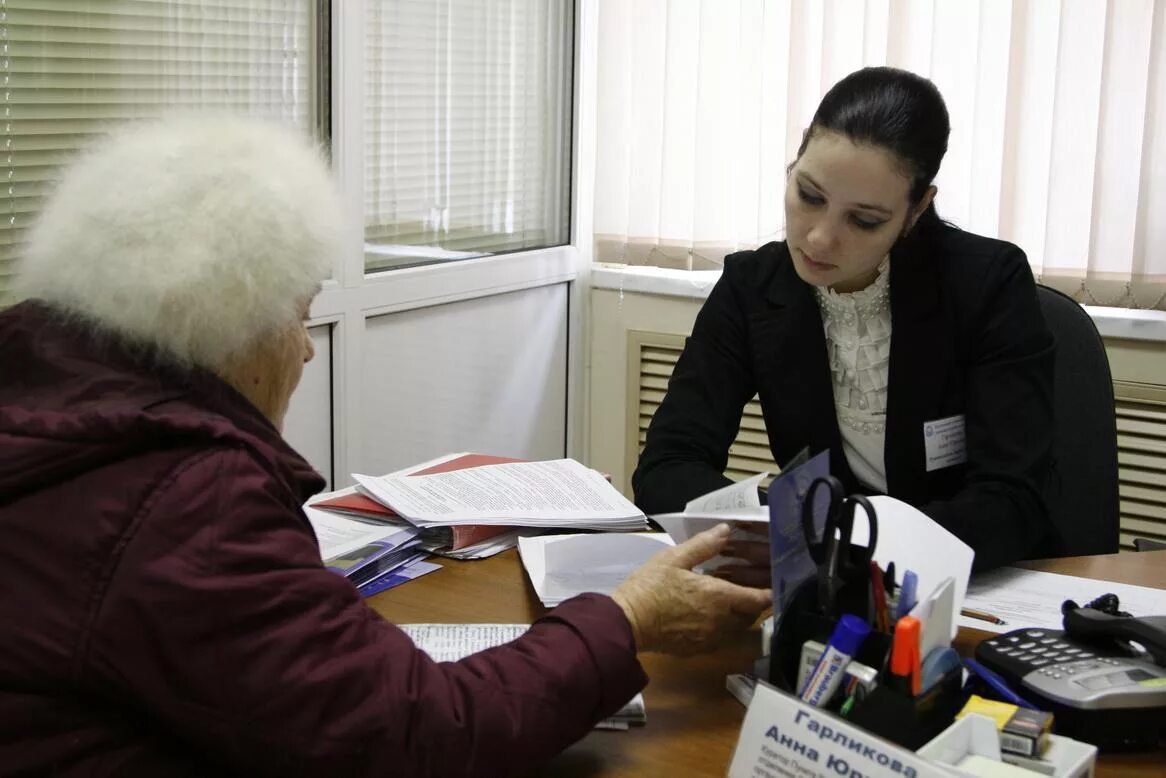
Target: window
{"points": [[1058, 136], [71, 69], [467, 128]]}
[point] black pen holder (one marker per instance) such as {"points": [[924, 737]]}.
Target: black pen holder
{"points": [[887, 712], [911, 721], [804, 619]]}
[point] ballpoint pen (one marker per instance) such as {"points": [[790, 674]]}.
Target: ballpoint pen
{"points": [[997, 684], [982, 616]]}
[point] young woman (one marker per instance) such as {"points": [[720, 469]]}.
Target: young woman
{"points": [[913, 351]]}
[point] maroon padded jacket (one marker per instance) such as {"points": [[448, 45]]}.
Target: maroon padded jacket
{"points": [[164, 610]]}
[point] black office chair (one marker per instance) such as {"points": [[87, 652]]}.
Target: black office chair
{"points": [[1082, 494]]}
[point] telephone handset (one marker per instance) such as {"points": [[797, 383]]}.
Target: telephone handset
{"points": [[1103, 676]]}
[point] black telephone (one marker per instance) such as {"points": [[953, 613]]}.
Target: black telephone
{"points": [[1103, 677]]}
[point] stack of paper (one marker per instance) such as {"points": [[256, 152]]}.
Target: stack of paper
{"points": [[464, 541], [374, 556], [451, 642], [563, 566], [559, 493]]}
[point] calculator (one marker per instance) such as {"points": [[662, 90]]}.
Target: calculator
{"points": [[1097, 694]]}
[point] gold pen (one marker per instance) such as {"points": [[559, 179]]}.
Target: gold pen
{"points": [[974, 614]]}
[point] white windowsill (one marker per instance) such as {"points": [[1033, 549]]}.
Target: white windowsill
{"points": [[1111, 322]]}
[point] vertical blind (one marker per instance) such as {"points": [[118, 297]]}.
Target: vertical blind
{"points": [[72, 69], [1058, 112], [467, 137]]}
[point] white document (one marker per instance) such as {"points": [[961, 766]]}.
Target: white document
{"points": [[1028, 598], [738, 503], [339, 535], [451, 642], [913, 541], [563, 566], [560, 493], [728, 501]]}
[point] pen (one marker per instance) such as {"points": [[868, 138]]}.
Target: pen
{"points": [[988, 617], [997, 684]]}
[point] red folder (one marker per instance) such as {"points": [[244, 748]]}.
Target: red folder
{"points": [[462, 535]]}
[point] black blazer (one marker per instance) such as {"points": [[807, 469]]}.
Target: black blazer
{"points": [[967, 337]]}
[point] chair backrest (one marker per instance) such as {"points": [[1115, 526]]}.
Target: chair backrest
{"points": [[1082, 494]]}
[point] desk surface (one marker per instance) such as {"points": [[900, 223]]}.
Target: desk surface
{"points": [[692, 721]]}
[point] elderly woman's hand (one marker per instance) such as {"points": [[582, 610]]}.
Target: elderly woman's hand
{"points": [[676, 611]]}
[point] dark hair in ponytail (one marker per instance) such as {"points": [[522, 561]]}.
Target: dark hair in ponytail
{"points": [[895, 110]]}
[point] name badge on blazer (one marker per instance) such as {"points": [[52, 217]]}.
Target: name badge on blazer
{"points": [[945, 442]]}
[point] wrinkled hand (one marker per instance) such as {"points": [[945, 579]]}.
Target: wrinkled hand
{"points": [[676, 611]]}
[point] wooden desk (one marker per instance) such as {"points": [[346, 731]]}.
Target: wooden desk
{"points": [[692, 721]]}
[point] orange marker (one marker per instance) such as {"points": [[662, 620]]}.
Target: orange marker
{"points": [[905, 656]]}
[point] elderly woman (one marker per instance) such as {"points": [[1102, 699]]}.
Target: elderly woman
{"points": [[164, 607]]}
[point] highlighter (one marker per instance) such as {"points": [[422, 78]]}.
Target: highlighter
{"points": [[905, 673], [830, 669]]}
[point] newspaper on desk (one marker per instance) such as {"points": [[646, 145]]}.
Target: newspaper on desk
{"points": [[451, 642]]}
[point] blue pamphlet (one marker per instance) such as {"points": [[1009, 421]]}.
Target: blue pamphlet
{"points": [[789, 557]]}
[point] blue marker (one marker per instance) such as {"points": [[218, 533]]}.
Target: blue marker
{"points": [[830, 669], [907, 594]]}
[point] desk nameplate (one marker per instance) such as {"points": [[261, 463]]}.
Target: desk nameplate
{"points": [[782, 737]]}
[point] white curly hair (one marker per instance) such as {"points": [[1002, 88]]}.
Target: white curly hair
{"points": [[194, 235]]}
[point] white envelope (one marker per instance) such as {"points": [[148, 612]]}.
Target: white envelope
{"points": [[562, 566]]}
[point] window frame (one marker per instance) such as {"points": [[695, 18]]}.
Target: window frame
{"points": [[352, 294]]}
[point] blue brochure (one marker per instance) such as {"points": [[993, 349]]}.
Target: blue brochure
{"points": [[789, 557]]}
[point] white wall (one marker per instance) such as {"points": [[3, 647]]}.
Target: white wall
{"points": [[486, 375]]}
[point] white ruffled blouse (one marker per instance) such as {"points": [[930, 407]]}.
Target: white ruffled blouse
{"points": [[858, 341]]}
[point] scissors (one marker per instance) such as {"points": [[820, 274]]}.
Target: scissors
{"points": [[839, 563]]}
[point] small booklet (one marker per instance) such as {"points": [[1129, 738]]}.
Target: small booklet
{"points": [[451, 642]]}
